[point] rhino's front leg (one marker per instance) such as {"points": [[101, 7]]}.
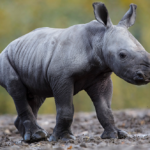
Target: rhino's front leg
{"points": [[63, 93], [101, 94]]}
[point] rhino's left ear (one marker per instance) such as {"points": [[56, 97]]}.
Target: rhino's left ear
{"points": [[129, 18], [101, 14]]}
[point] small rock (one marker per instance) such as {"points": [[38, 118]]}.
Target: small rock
{"points": [[15, 147], [76, 142], [25, 144], [91, 145], [15, 131], [71, 141], [76, 147], [84, 133], [140, 142], [7, 132], [8, 143], [86, 138], [97, 137], [58, 148], [18, 142], [83, 145], [3, 144], [102, 144], [92, 139]]}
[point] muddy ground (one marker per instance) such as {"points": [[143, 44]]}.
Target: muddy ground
{"points": [[87, 130]]}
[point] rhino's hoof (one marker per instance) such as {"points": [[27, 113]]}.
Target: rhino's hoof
{"points": [[53, 138], [33, 133], [65, 137], [37, 136], [109, 135], [122, 134]]}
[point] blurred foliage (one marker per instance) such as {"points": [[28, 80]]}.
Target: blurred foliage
{"points": [[20, 17]]}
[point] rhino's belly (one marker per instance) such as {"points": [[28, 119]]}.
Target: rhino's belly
{"points": [[37, 86], [40, 90]]}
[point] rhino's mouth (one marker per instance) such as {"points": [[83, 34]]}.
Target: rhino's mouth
{"points": [[137, 81], [142, 82], [140, 78]]}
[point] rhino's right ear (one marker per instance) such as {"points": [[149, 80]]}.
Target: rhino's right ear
{"points": [[129, 18], [101, 14]]}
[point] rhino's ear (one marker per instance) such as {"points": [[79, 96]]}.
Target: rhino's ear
{"points": [[129, 18], [101, 14]]}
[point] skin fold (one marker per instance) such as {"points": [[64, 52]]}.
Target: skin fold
{"points": [[59, 63]]}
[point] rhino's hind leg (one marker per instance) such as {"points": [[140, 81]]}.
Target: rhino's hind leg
{"points": [[18, 91], [35, 103], [63, 93]]}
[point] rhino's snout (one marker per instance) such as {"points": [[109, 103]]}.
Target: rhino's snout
{"points": [[141, 78]]}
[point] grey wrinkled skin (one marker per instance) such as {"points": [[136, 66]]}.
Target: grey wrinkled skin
{"points": [[61, 62]]}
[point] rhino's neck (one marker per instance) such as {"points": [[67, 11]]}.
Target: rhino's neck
{"points": [[96, 32]]}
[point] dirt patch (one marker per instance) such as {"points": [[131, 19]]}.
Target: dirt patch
{"points": [[87, 130]]}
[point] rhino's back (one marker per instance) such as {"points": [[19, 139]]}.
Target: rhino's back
{"points": [[45, 53], [30, 56]]}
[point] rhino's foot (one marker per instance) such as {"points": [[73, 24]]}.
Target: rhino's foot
{"points": [[122, 134], [30, 132], [109, 134], [33, 132], [64, 137], [112, 134]]}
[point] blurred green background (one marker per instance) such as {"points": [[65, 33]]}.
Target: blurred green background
{"points": [[18, 17]]}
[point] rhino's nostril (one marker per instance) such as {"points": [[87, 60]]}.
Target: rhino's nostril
{"points": [[140, 75]]}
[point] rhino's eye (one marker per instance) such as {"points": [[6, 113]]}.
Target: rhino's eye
{"points": [[122, 55]]}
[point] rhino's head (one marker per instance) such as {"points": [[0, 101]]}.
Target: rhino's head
{"points": [[124, 55]]}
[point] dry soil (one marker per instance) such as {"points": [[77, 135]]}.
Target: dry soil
{"points": [[87, 130]]}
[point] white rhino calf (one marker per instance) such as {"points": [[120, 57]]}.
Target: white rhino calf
{"points": [[59, 63]]}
